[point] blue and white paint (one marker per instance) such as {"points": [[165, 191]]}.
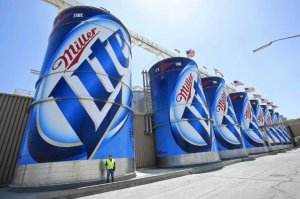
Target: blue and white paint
{"points": [[82, 104], [226, 127], [274, 128], [273, 140], [181, 117], [253, 137]]}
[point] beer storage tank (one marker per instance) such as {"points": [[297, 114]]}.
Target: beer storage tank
{"points": [[273, 140], [283, 130], [253, 137], [279, 132], [182, 125], [258, 112], [82, 106], [275, 130], [226, 128]]}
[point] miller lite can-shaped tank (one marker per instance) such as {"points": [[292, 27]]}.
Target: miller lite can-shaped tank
{"points": [[226, 128], [279, 131], [182, 126], [285, 130], [275, 130], [272, 139], [82, 106], [258, 112], [253, 137]]}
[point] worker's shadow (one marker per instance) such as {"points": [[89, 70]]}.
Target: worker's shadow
{"points": [[102, 169]]}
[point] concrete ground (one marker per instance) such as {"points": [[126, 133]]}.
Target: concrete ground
{"points": [[271, 176], [259, 176]]}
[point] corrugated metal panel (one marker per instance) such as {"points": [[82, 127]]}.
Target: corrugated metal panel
{"points": [[13, 117], [294, 131], [145, 155], [138, 101]]}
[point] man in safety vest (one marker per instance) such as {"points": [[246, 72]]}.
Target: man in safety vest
{"points": [[110, 167]]}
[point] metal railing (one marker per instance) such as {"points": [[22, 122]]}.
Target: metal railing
{"points": [[149, 45], [23, 92], [63, 4]]}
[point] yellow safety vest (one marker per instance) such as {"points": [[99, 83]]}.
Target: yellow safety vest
{"points": [[110, 164]]}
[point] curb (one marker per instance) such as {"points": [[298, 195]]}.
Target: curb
{"points": [[62, 187], [96, 189]]}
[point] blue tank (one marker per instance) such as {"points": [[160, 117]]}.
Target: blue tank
{"points": [[253, 137], [226, 128], [82, 106], [282, 129], [258, 112], [285, 131], [275, 130], [182, 124], [281, 135], [273, 140]]}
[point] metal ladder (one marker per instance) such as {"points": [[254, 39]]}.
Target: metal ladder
{"points": [[148, 102]]}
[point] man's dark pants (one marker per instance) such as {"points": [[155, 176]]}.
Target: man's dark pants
{"points": [[110, 172]]}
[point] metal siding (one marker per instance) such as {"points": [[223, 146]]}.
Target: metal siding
{"points": [[145, 155], [8, 138], [18, 136], [294, 131], [13, 117], [138, 102]]}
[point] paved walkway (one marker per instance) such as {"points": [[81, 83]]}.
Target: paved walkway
{"points": [[273, 176], [270, 175]]}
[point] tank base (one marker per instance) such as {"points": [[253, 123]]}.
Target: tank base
{"points": [[280, 147], [285, 146], [269, 146], [235, 153], [257, 150], [269, 149], [290, 146], [70, 172], [273, 148], [189, 159]]}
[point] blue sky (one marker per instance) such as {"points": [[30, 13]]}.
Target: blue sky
{"points": [[223, 33]]}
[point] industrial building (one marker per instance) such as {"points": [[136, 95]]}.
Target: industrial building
{"points": [[84, 109]]}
